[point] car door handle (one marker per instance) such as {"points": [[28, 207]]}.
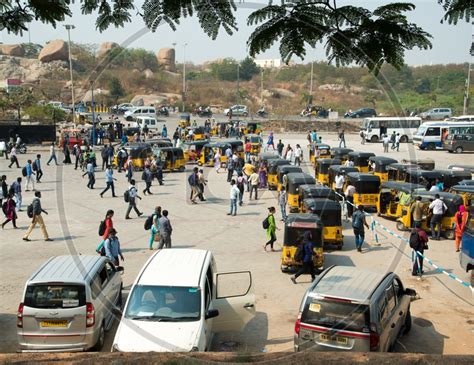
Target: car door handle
{"points": [[248, 305], [393, 325]]}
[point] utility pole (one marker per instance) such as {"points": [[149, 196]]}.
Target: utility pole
{"points": [[184, 74], [468, 80], [261, 88], [238, 83], [311, 85], [93, 114], [69, 27]]}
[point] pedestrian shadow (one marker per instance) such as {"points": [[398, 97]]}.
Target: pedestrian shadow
{"points": [[215, 200], [137, 249], [249, 213], [375, 248]]}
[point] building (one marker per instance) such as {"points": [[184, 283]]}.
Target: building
{"points": [[10, 84], [269, 63]]}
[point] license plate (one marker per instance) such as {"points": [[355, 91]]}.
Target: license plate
{"points": [[53, 323], [339, 340]]}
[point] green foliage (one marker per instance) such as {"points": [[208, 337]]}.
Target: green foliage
{"points": [[32, 50], [423, 86], [130, 58], [457, 10], [225, 70], [18, 99], [44, 112], [248, 68], [115, 89]]}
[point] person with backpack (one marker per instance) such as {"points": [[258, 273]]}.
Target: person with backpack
{"points": [[109, 180], [358, 224], [438, 208], [306, 251], [132, 194], [193, 181], [271, 228], [419, 243], [165, 231], [34, 211], [13, 158], [37, 168], [104, 229], [154, 227], [8, 208], [283, 200], [112, 248], [460, 219], [28, 173], [147, 177]]}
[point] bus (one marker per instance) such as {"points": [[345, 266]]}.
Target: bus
{"points": [[431, 135], [375, 128]]}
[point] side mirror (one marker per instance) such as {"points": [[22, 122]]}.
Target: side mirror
{"points": [[410, 292], [211, 313], [117, 311]]}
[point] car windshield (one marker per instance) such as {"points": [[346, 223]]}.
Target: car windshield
{"points": [[333, 314], [164, 303], [55, 296]]}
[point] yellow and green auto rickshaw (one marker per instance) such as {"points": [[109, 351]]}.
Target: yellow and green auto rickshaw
{"points": [[330, 213], [423, 163], [466, 192], [255, 143], [312, 191], [139, 152], [318, 150], [394, 197], [192, 150], [294, 181], [184, 120], [236, 145], [130, 132], [250, 127], [367, 189], [220, 128], [170, 158], [282, 171], [208, 153], [452, 201], [339, 169], [378, 166], [322, 173], [341, 153], [272, 174], [199, 133], [398, 171], [295, 227], [361, 160], [159, 142]]}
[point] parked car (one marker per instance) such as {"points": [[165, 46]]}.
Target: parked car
{"points": [[122, 108], [437, 113], [362, 113], [66, 304], [179, 300], [150, 122], [237, 110], [459, 143], [148, 111], [351, 309]]}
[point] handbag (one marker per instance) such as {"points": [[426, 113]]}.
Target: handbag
{"points": [[157, 237]]}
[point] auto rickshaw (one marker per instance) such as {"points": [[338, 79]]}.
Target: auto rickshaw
{"points": [[361, 160], [312, 191], [453, 177], [341, 169], [184, 120], [199, 133], [250, 128], [272, 175], [330, 213], [255, 143], [378, 166], [192, 150], [209, 151], [130, 133], [397, 171], [295, 180], [367, 189], [159, 142], [237, 146], [452, 201], [138, 152], [466, 192], [295, 227], [318, 150], [424, 163], [220, 128], [423, 177], [322, 173], [269, 155], [341, 153], [466, 182], [469, 168], [395, 197], [170, 158], [282, 171]]}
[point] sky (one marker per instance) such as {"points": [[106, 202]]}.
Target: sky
{"points": [[451, 43]]}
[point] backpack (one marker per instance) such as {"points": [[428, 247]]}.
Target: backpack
{"points": [[357, 221], [414, 239], [148, 223], [126, 196], [29, 210], [35, 166], [192, 180], [299, 254], [266, 223], [23, 171], [102, 228]]}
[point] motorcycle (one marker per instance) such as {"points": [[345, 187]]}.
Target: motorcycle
{"points": [[262, 113], [203, 113], [20, 148]]}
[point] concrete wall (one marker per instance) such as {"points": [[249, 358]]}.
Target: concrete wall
{"points": [[304, 125]]}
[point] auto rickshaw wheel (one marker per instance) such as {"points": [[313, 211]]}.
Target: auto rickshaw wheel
{"points": [[401, 227], [449, 234]]}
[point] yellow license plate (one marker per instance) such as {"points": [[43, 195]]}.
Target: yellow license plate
{"points": [[337, 339], [53, 324]]}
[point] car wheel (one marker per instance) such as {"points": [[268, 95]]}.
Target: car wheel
{"points": [[403, 139], [407, 325], [100, 341], [459, 149], [430, 146], [449, 234], [401, 226], [374, 139]]}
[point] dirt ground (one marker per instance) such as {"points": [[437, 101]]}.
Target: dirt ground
{"points": [[443, 317]]}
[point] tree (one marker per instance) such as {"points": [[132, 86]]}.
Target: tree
{"points": [[115, 89], [248, 68], [16, 99], [225, 70], [424, 86], [349, 34]]}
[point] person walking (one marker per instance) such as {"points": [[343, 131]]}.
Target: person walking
{"points": [[147, 177], [9, 209], [393, 138], [129, 168], [112, 248], [253, 181], [460, 219], [90, 172], [416, 210], [37, 219], [308, 263], [202, 182], [230, 168], [104, 153], [358, 224], [362, 137], [37, 168], [262, 175], [175, 137], [438, 208], [109, 180], [339, 181], [217, 160], [29, 176], [132, 200], [342, 139], [349, 194], [248, 150], [165, 231], [108, 225], [298, 155], [280, 147], [155, 228], [52, 155], [271, 230], [283, 200], [241, 182], [15, 188], [13, 158], [419, 246], [3, 189], [193, 181], [397, 142], [234, 195], [385, 141]]}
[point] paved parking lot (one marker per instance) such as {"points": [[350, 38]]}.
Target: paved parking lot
{"points": [[442, 317]]}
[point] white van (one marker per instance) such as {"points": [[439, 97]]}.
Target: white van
{"points": [[150, 122], [148, 111], [179, 300], [431, 135]]}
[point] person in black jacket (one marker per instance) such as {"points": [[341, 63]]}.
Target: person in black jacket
{"points": [[4, 189]]}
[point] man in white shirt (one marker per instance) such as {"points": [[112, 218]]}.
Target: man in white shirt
{"points": [[349, 163], [234, 195], [397, 142], [349, 193], [438, 208], [298, 155], [386, 141], [339, 182], [52, 154]]}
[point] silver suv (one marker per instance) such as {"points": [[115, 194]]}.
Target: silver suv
{"points": [[67, 304], [349, 309], [437, 113]]}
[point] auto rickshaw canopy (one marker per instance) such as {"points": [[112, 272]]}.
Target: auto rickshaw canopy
{"points": [[341, 152], [361, 158], [308, 191], [328, 210], [297, 224], [295, 179], [324, 163], [418, 176], [364, 183], [463, 189], [253, 138], [341, 169], [286, 169], [401, 186], [466, 182], [424, 163], [265, 156], [382, 162], [469, 168], [274, 163]]}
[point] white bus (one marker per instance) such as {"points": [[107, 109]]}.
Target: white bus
{"points": [[431, 135], [375, 128]]}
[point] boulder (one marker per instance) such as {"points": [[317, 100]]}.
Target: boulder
{"points": [[106, 47], [150, 99], [16, 50], [167, 59], [148, 73], [54, 51]]}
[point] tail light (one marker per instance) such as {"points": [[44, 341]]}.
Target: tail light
{"points": [[374, 338], [298, 324], [90, 315], [19, 316]]}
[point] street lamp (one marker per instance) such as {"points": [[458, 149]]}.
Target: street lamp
{"points": [[184, 74], [68, 28], [311, 84], [238, 83]]}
